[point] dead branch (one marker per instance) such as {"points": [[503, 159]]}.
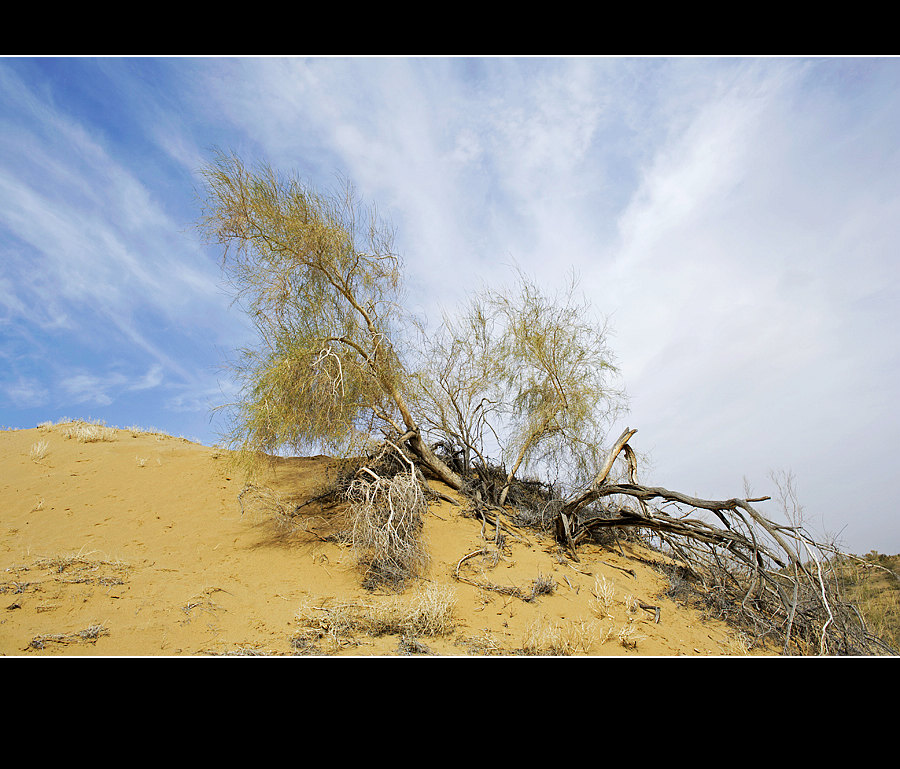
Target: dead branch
{"points": [[750, 567], [503, 590]]}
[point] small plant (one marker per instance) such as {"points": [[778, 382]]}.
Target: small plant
{"points": [[628, 635], [541, 586], [88, 432], [545, 638], [39, 451], [604, 594]]}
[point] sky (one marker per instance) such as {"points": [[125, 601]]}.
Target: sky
{"points": [[736, 219]]}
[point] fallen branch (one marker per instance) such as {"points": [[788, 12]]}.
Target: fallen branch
{"points": [[540, 586], [752, 564]]}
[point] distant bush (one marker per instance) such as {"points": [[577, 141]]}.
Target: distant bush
{"points": [[873, 585], [82, 430]]}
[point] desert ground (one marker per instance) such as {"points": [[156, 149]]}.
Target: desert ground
{"points": [[129, 542]]}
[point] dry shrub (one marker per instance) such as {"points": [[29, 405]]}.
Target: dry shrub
{"points": [[333, 625], [543, 637], [603, 596], [39, 451], [87, 432], [429, 613], [628, 635], [262, 503], [387, 517], [328, 626], [541, 586], [88, 635]]}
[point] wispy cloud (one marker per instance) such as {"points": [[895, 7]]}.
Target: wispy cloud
{"points": [[738, 218], [27, 393], [91, 250]]}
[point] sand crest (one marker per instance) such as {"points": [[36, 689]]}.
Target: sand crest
{"points": [[134, 543]]}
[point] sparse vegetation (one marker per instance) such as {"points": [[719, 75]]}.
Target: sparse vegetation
{"points": [[96, 430], [87, 635], [522, 593], [332, 625], [550, 637], [83, 431], [69, 568], [39, 451]]}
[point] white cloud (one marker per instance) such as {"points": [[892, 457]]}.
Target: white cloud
{"points": [[90, 389], [738, 219], [26, 393], [153, 378]]}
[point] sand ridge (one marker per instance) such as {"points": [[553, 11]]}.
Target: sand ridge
{"points": [[141, 544]]}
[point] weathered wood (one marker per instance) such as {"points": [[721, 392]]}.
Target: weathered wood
{"points": [[572, 507]]}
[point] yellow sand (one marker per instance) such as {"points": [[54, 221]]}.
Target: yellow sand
{"points": [[138, 546]]}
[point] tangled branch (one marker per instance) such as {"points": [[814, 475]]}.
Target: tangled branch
{"points": [[387, 515], [751, 569]]}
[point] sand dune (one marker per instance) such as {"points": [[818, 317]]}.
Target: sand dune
{"points": [[135, 543]]}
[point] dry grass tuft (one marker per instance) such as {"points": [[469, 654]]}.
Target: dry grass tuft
{"points": [[39, 451], [87, 431], [603, 597], [543, 637], [430, 613], [331, 626]]}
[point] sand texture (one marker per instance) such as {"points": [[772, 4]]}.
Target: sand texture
{"points": [[134, 543]]}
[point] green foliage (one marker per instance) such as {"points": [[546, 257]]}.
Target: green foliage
{"points": [[558, 380], [519, 374], [319, 279], [527, 374]]}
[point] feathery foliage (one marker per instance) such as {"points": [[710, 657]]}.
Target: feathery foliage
{"points": [[319, 279], [527, 374]]}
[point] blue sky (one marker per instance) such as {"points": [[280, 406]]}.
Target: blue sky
{"points": [[738, 219]]}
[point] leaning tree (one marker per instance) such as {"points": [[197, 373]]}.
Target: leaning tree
{"points": [[319, 278]]}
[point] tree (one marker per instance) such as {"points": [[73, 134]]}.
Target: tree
{"points": [[319, 278], [558, 384], [457, 392], [529, 372]]}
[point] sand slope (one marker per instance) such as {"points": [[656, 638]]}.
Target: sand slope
{"points": [[138, 546]]}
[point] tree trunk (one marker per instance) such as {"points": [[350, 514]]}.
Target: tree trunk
{"points": [[593, 491], [431, 462]]}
